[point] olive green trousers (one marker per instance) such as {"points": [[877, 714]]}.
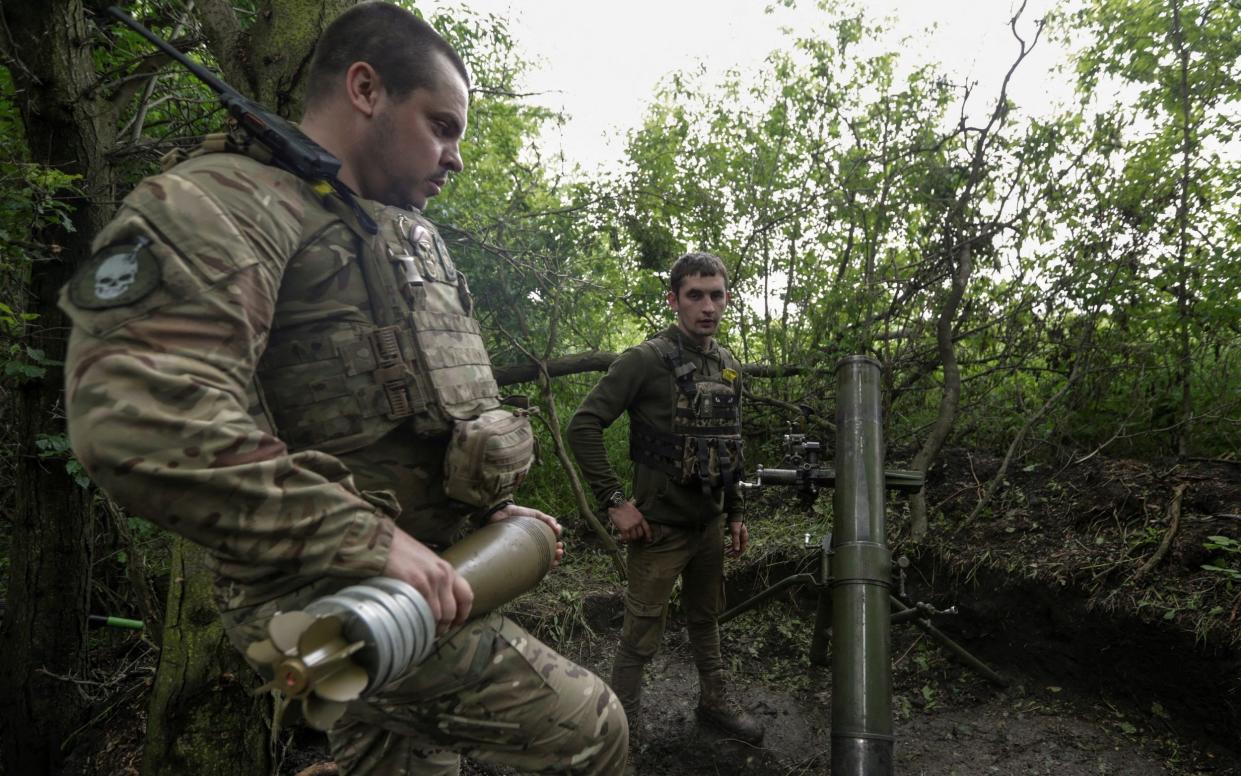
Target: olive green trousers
{"points": [[696, 557]]}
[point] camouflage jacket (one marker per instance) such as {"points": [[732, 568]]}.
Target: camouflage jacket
{"points": [[170, 320], [640, 383]]}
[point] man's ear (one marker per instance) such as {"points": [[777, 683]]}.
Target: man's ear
{"points": [[363, 87], [672, 299]]}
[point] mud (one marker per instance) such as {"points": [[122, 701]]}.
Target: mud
{"points": [[1155, 706]]}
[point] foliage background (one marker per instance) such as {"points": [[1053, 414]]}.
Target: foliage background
{"points": [[839, 187], [1042, 290]]}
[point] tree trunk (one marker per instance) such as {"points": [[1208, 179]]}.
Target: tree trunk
{"points": [[270, 60], [952, 388], [202, 719], [1183, 300], [47, 53], [528, 371], [600, 360]]}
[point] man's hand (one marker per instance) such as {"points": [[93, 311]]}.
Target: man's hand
{"points": [[446, 591], [514, 510], [740, 539], [630, 523]]}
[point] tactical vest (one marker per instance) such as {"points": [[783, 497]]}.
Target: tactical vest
{"points": [[415, 358], [704, 445]]}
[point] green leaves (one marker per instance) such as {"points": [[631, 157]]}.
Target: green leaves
{"points": [[1227, 565], [56, 447], [25, 363]]}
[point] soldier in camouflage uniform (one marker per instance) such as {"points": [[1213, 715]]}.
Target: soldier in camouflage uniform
{"points": [[682, 391], [276, 373]]}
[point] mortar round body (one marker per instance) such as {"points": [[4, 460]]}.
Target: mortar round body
{"points": [[502, 560]]}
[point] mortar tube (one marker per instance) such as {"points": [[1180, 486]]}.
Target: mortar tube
{"points": [[862, 740]]}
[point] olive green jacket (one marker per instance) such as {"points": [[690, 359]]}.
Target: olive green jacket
{"points": [[640, 383]]}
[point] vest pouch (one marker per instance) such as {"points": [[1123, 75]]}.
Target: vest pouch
{"points": [[454, 381], [708, 461], [488, 457], [704, 445], [714, 462]]}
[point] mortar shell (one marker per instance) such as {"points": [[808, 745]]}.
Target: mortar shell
{"points": [[502, 560]]}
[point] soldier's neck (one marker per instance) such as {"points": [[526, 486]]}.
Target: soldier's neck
{"points": [[324, 128], [701, 341]]}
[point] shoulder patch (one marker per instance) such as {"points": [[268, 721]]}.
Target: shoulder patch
{"points": [[117, 275]]}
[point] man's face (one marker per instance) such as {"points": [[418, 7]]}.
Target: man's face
{"points": [[414, 143], [699, 303]]}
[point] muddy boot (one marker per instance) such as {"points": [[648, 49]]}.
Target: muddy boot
{"points": [[627, 684], [717, 709]]}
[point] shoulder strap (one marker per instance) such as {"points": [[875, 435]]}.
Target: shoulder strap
{"points": [[673, 356]]}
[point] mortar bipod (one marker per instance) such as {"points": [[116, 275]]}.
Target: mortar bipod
{"points": [[919, 613]]}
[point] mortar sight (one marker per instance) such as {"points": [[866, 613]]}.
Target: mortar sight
{"points": [[803, 470]]}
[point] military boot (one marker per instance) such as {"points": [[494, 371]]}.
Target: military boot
{"points": [[720, 711], [627, 684]]}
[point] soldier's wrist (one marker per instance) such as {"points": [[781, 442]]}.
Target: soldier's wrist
{"points": [[612, 500], [484, 516]]}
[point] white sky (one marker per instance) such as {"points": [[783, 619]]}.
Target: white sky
{"points": [[599, 62]]}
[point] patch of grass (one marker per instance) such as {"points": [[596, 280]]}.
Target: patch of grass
{"points": [[772, 645], [556, 610]]}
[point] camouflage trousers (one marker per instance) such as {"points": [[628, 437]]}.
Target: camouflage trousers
{"points": [[696, 556], [490, 691]]}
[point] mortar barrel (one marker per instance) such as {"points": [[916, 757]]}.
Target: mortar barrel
{"points": [[862, 740]]}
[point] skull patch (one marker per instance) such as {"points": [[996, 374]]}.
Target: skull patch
{"points": [[119, 274], [116, 275]]}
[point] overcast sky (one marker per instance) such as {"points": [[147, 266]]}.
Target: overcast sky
{"points": [[599, 61]]}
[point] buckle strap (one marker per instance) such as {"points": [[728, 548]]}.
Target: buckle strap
{"points": [[704, 445], [726, 463], [392, 373]]}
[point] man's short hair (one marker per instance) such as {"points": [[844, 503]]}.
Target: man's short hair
{"points": [[402, 48], [696, 264]]}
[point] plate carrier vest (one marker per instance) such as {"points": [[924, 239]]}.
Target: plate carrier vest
{"points": [[704, 446], [338, 385]]}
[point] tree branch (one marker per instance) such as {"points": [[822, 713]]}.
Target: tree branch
{"points": [[1174, 518], [146, 70], [600, 360]]}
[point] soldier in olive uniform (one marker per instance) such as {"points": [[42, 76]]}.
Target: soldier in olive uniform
{"points": [[279, 371], [682, 391]]}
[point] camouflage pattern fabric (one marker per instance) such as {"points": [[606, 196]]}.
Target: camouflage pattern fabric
{"points": [[159, 385], [490, 691], [200, 270], [488, 457]]}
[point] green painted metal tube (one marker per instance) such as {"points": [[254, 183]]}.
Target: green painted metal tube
{"points": [[862, 740], [502, 560], [901, 480]]}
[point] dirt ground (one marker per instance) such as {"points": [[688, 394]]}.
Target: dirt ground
{"points": [[1109, 671], [948, 719]]}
